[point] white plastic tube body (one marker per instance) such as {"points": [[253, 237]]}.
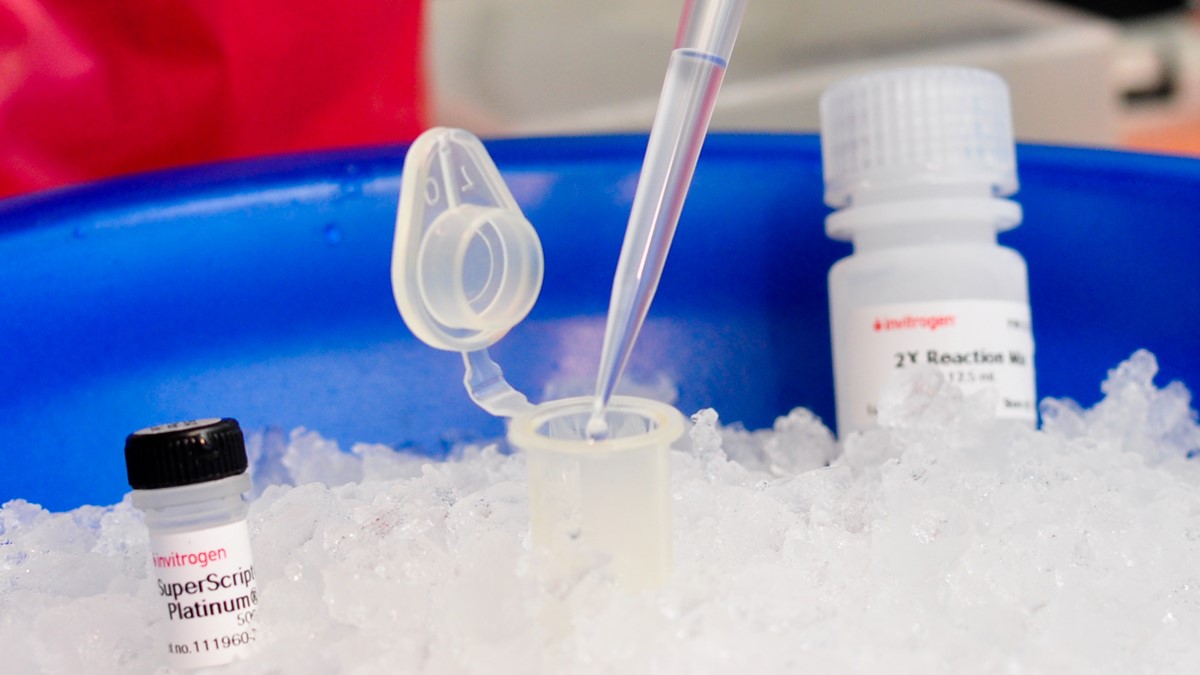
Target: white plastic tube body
{"points": [[605, 500]]}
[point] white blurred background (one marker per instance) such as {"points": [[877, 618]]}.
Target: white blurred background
{"points": [[1109, 74]]}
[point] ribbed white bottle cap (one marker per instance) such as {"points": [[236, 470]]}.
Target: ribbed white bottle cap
{"points": [[916, 127]]}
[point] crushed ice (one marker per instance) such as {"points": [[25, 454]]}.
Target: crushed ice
{"points": [[943, 542]]}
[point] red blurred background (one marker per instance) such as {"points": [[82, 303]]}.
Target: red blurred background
{"points": [[108, 87]]}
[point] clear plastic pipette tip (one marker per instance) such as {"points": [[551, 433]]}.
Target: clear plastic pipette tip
{"points": [[707, 31]]}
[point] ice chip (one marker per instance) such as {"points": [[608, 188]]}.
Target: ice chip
{"points": [[1063, 416], [1137, 371], [1158, 425], [311, 458], [380, 462], [706, 436], [796, 443], [266, 451], [800, 442]]}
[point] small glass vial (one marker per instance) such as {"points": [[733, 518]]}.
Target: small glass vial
{"points": [[917, 162], [188, 479]]}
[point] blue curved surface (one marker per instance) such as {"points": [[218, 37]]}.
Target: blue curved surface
{"points": [[260, 290]]}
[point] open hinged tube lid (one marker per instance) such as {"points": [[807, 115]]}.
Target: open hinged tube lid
{"points": [[466, 264]]}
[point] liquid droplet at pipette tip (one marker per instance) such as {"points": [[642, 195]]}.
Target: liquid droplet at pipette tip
{"points": [[597, 426]]}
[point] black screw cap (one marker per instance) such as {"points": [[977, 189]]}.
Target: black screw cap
{"points": [[184, 453]]}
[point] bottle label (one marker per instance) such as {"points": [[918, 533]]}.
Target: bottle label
{"points": [[208, 594], [975, 343]]}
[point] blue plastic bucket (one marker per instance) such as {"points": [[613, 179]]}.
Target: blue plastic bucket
{"points": [[260, 290]]}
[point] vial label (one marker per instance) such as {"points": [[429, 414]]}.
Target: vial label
{"points": [[975, 343], [209, 596]]}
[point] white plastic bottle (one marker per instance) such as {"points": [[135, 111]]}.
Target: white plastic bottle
{"points": [[188, 480], [917, 162]]}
